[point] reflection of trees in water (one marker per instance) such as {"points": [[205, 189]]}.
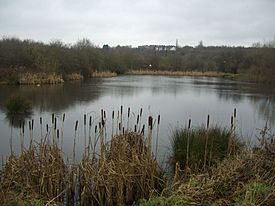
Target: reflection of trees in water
{"points": [[17, 120], [265, 107], [262, 99], [54, 97]]}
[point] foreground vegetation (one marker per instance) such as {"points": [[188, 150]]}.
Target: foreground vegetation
{"points": [[245, 179], [58, 60], [210, 167]]}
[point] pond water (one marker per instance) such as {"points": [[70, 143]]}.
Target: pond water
{"points": [[175, 99]]}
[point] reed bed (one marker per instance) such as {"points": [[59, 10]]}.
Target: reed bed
{"points": [[103, 74], [113, 171], [176, 73], [40, 78], [73, 76]]}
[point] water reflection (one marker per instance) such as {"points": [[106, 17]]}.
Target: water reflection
{"points": [[17, 120], [54, 98]]}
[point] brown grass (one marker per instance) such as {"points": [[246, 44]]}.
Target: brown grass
{"points": [[40, 78], [73, 76], [176, 73], [103, 74], [122, 171]]}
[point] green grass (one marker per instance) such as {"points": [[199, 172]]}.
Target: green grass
{"points": [[217, 139]]}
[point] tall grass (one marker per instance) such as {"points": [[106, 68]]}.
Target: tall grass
{"points": [[114, 172], [200, 147]]}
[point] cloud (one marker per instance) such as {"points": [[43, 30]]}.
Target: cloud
{"points": [[136, 22]]}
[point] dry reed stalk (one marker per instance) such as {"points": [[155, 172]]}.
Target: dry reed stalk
{"points": [[127, 173], [157, 139], [206, 143], [188, 144]]}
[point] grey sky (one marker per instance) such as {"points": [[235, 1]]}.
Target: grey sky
{"points": [[138, 22]]}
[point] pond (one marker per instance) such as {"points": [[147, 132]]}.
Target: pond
{"points": [[175, 99]]}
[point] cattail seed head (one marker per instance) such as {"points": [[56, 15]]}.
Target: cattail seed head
{"points": [[40, 121], [32, 123], [208, 118], [52, 118], [189, 124], [235, 112], [137, 118], [63, 119], [90, 121], [55, 123], [76, 124], [113, 114], [150, 122], [85, 119], [158, 119], [128, 112]]}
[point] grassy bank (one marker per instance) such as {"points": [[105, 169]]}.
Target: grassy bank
{"points": [[180, 73], [245, 179], [100, 74]]}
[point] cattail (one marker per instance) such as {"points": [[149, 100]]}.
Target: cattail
{"points": [[158, 119], [128, 112], [150, 122], [101, 113], [119, 126], [143, 128], [63, 119], [55, 125], [113, 114], [90, 121], [30, 127], [32, 123], [122, 130], [95, 128], [57, 133], [84, 119], [23, 127], [40, 121], [208, 117], [99, 125], [232, 122], [76, 124], [104, 114], [103, 122], [235, 113], [47, 128], [140, 111], [121, 109], [137, 118], [52, 118], [189, 124], [135, 128]]}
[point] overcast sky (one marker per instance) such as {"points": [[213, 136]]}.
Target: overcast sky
{"points": [[139, 22]]}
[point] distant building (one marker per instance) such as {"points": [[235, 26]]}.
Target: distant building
{"points": [[158, 47]]}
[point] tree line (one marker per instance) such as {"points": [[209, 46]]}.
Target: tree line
{"points": [[256, 63]]}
